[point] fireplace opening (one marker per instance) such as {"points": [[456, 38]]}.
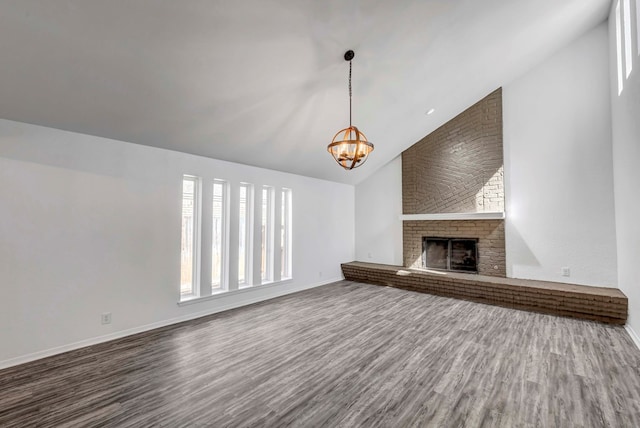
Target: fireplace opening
{"points": [[450, 254]]}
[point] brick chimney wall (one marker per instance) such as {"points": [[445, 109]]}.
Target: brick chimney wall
{"points": [[458, 168]]}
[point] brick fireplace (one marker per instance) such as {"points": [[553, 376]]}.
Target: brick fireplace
{"points": [[452, 187], [490, 235], [457, 169]]}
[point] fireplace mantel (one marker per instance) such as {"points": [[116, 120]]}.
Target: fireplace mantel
{"points": [[497, 215]]}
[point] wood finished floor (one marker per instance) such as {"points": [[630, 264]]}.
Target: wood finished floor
{"points": [[345, 354]]}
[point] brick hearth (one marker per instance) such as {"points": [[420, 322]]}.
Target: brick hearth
{"points": [[608, 305]]}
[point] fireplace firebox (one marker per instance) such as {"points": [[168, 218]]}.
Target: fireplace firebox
{"points": [[450, 254]]}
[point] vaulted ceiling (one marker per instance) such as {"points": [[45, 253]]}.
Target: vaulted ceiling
{"points": [[264, 82]]}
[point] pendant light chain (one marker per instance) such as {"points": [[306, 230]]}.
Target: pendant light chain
{"points": [[350, 94]]}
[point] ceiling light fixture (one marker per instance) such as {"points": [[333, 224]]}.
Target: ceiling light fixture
{"points": [[349, 146]]}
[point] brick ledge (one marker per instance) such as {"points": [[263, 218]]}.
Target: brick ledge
{"points": [[602, 304]]}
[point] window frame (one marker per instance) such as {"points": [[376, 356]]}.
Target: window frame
{"points": [[195, 238], [286, 230], [248, 233], [224, 235], [267, 235]]}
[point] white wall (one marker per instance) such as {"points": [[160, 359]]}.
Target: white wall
{"points": [[559, 168], [378, 207], [90, 225], [625, 109]]}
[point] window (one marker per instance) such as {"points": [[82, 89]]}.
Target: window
{"points": [[245, 233], [619, 47], [624, 38], [218, 237], [208, 246], [637, 4], [190, 232], [627, 38], [285, 235], [266, 271]]}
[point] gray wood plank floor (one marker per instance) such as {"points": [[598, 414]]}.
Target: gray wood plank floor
{"points": [[345, 354]]}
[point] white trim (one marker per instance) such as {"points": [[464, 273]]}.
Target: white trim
{"points": [[634, 336], [275, 292], [489, 215]]}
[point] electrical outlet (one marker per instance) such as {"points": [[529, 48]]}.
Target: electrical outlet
{"points": [[565, 271], [319, 274], [369, 255], [106, 318]]}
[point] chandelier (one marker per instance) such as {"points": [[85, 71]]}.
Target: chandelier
{"points": [[349, 146]]}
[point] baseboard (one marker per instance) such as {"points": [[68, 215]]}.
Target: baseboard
{"points": [[634, 336], [274, 292]]}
